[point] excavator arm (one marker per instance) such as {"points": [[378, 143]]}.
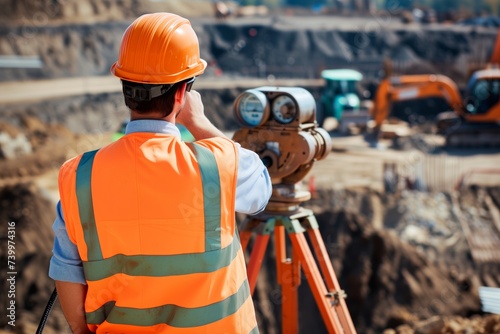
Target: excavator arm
{"points": [[477, 115], [412, 87], [495, 54]]}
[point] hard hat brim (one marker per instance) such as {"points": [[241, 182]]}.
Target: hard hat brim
{"points": [[158, 78]]}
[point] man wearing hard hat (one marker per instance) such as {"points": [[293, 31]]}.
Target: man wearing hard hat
{"points": [[145, 234]]}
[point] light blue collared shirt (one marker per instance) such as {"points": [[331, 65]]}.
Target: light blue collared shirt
{"points": [[253, 190]]}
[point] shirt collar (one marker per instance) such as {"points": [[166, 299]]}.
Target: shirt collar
{"points": [[152, 125]]}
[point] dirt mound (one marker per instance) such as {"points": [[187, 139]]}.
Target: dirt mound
{"points": [[488, 324], [400, 275], [32, 215], [32, 147], [387, 280]]}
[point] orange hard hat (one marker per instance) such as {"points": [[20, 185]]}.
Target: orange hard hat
{"points": [[159, 48]]}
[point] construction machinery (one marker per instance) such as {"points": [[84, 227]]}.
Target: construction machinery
{"points": [[474, 119], [340, 99]]}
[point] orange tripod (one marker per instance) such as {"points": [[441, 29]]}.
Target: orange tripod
{"points": [[326, 290]]}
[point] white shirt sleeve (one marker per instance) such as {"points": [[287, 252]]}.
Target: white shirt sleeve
{"points": [[253, 187]]}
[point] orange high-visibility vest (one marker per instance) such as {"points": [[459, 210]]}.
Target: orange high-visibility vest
{"points": [[153, 220]]}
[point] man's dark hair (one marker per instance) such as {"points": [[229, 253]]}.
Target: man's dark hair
{"points": [[163, 103]]}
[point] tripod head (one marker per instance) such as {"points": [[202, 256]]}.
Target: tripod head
{"points": [[279, 124]]}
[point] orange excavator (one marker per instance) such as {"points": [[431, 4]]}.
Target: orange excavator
{"points": [[475, 117]]}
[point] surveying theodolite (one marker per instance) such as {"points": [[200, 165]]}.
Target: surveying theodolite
{"points": [[279, 124]]}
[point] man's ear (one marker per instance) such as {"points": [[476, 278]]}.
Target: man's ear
{"points": [[180, 93]]}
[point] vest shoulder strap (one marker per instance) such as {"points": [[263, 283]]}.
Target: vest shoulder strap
{"points": [[85, 206]]}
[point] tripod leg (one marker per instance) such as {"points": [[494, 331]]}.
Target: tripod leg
{"points": [[288, 271], [246, 231], [258, 251], [316, 283], [328, 272]]}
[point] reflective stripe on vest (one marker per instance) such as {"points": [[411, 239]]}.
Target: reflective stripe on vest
{"points": [[97, 268], [85, 207], [184, 317], [211, 194]]}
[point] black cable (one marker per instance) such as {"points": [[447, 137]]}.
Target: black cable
{"points": [[46, 313]]}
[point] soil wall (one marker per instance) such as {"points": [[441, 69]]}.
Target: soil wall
{"points": [[272, 47]]}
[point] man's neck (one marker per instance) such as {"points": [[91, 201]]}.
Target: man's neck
{"points": [[134, 115]]}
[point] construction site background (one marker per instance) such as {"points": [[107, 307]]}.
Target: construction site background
{"points": [[412, 233]]}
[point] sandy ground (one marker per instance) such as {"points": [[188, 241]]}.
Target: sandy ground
{"points": [[353, 163]]}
